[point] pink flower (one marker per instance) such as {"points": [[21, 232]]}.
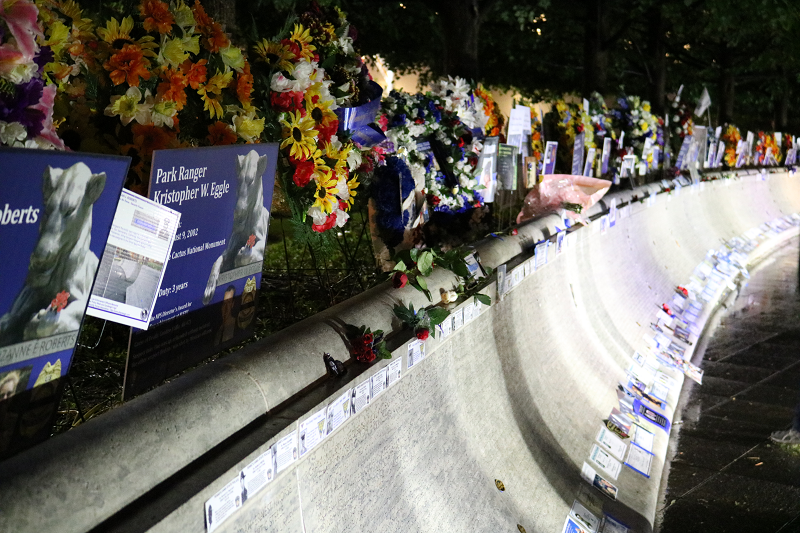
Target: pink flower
{"points": [[20, 16], [45, 105]]}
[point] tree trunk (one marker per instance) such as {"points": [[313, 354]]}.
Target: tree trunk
{"points": [[726, 87], [658, 55], [595, 48], [460, 21]]}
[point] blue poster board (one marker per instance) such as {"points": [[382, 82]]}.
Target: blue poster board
{"points": [[208, 295], [56, 210]]}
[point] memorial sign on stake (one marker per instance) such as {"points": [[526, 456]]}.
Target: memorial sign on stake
{"points": [[550, 150], [587, 168], [577, 154], [507, 167], [687, 140], [488, 168], [207, 300], [606, 155], [56, 210]]}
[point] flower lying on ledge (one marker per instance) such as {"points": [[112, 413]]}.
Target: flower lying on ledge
{"points": [[366, 345], [423, 321]]}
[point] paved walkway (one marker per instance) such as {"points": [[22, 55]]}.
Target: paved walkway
{"points": [[726, 475]]}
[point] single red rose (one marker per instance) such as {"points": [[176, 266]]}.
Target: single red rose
{"points": [[368, 338], [399, 280], [683, 291], [514, 231], [666, 309], [422, 333]]}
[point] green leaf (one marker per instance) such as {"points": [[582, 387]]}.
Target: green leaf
{"points": [[421, 285], [483, 298], [400, 265], [437, 315], [432, 331], [384, 353], [414, 253], [405, 315], [425, 263]]}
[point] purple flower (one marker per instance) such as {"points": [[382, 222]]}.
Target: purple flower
{"points": [[16, 107], [44, 56]]}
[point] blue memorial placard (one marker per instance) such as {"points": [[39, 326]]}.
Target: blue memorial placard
{"points": [[56, 210], [207, 298]]}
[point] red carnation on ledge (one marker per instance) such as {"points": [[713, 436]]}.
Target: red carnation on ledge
{"points": [[422, 333]]}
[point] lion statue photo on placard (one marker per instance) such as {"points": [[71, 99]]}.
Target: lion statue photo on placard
{"points": [[62, 266], [250, 221]]}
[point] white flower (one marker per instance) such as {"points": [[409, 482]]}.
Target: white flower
{"points": [[341, 218], [22, 73], [317, 215], [12, 133], [128, 107], [354, 159]]}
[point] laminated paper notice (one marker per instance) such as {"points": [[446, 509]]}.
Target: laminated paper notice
{"points": [[393, 371], [541, 254], [312, 431], [285, 452], [643, 438], [257, 474], [223, 504], [640, 460], [416, 352], [378, 380], [339, 410], [584, 516], [361, 396], [612, 443], [605, 461], [599, 482]]}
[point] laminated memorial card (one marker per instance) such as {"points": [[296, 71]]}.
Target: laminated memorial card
{"points": [[606, 155], [56, 210], [339, 410], [639, 460], [311, 431], [577, 154], [133, 263], [223, 504], [207, 301], [549, 165], [606, 461], [591, 476]]}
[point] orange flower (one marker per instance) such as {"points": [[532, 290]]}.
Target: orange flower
{"points": [[156, 16], [195, 72], [213, 36], [128, 65], [244, 85], [146, 139], [220, 133], [173, 87]]}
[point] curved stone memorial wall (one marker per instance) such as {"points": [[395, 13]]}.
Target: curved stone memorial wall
{"points": [[512, 398]]}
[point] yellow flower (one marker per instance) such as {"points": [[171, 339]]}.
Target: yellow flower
{"points": [[325, 197], [275, 55], [302, 37], [339, 156], [299, 135], [59, 34], [211, 92], [247, 126], [646, 106], [172, 52], [352, 185], [232, 57], [183, 15], [119, 34]]}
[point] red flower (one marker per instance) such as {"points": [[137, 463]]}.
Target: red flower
{"points": [[683, 291], [330, 222], [383, 122], [60, 301], [368, 338], [666, 309], [434, 200], [514, 231], [303, 171], [399, 280], [422, 333], [366, 355], [418, 121], [288, 101], [251, 241]]}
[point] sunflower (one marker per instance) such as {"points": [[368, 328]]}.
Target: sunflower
{"points": [[129, 64], [352, 185], [325, 197], [339, 156], [212, 93], [301, 37], [118, 35], [275, 55], [299, 135]]}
